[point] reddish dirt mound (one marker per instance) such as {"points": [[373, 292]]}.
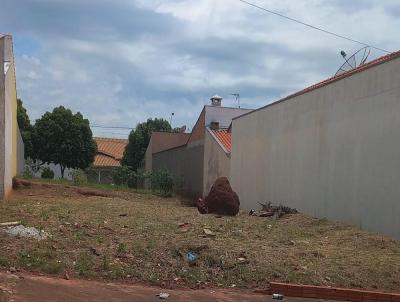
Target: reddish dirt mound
{"points": [[221, 200], [92, 192], [26, 188], [18, 183]]}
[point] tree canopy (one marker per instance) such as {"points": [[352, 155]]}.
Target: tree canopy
{"points": [[64, 138], [26, 129], [139, 139]]}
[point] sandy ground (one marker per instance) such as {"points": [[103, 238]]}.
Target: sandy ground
{"points": [[29, 288]]}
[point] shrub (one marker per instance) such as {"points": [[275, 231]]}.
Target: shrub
{"points": [[123, 175], [47, 173], [31, 167], [27, 172], [78, 177], [163, 182]]}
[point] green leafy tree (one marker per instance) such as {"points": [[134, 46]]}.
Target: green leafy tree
{"points": [[26, 129], [64, 138], [139, 139]]}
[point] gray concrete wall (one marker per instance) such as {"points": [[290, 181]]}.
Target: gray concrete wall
{"points": [[333, 152], [216, 162], [186, 164]]}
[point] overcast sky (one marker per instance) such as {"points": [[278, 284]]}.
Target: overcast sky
{"points": [[119, 62]]}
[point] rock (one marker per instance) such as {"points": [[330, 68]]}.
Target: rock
{"points": [[163, 296], [208, 232], [221, 200]]}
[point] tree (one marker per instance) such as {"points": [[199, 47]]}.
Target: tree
{"points": [[139, 139], [64, 138], [26, 129]]}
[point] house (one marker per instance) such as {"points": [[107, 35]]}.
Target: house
{"points": [[331, 150], [11, 144], [109, 155], [160, 141], [199, 158]]}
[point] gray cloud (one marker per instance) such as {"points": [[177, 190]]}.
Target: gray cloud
{"points": [[120, 62]]}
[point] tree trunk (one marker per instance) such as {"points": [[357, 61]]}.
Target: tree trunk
{"points": [[62, 171]]}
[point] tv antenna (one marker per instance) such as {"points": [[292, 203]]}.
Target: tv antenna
{"points": [[237, 98], [357, 59]]}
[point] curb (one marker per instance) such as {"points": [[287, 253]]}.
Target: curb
{"points": [[332, 293]]}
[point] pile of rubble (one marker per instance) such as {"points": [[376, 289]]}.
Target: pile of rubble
{"points": [[268, 210]]}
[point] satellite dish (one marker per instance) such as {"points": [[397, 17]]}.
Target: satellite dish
{"points": [[357, 59]]}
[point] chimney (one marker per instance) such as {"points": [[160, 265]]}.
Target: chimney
{"points": [[214, 125], [216, 100]]}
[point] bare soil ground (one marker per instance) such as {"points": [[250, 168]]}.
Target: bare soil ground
{"points": [[130, 237], [28, 288]]}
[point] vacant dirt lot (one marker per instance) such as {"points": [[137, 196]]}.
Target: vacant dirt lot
{"points": [[136, 237]]}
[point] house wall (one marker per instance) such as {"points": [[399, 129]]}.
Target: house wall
{"points": [[160, 141], [186, 164], [8, 118], [216, 162], [333, 152], [148, 157]]}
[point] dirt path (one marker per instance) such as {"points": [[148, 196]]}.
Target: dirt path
{"points": [[24, 288]]}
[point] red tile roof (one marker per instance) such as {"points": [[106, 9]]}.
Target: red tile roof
{"points": [[102, 160], [224, 137], [376, 62], [109, 151]]}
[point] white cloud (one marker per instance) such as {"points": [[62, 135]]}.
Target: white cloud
{"points": [[129, 60]]}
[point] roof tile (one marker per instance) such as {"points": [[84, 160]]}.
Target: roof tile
{"points": [[224, 137], [109, 151]]}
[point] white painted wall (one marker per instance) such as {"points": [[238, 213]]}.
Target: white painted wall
{"points": [[333, 152]]}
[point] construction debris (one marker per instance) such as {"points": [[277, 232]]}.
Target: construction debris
{"points": [[277, 297], [268, 210], [163, 296], [29, 232]]}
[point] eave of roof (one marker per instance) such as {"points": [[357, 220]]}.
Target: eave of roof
{"points": [[373, 63]]}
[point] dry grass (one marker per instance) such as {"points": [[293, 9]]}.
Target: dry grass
{"points": [[136, 237]]}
